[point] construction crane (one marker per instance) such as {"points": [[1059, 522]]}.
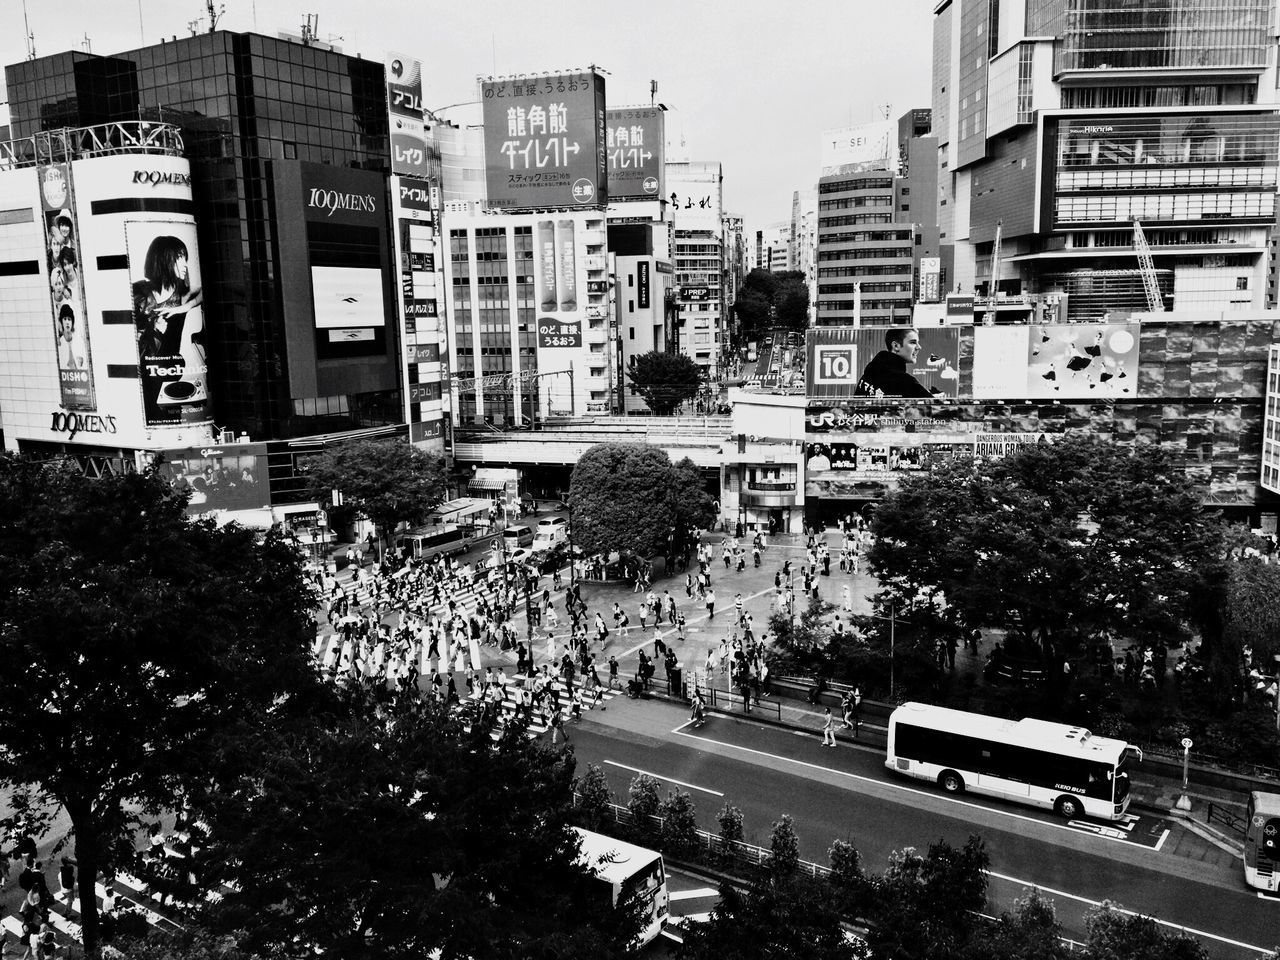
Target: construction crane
{"points": [[994, 283], [1147, 267]]}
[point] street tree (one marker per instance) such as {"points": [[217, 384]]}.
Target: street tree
{"points": [[1030, 932], [1058, 543], [130, 634], [791, 303], [387, 481], [664, 380], [790, 919], [694, 507], [623, 497], [752, 309], [761, 281], [1114, 934], [392, 830], [923, 906]]}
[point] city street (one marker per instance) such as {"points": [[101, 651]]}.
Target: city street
{"points": [[847, 794]]}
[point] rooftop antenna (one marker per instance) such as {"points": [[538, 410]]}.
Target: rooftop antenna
{"points": [[886, 110], [216, 15], [87, 44], [30, 37], [192, 24], [653, 92], [308, 29]]}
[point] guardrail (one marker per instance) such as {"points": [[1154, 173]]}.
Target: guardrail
{"points": [[1219, 814]]}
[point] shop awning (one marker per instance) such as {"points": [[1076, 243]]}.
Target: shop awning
{"points": [[490, 479]]}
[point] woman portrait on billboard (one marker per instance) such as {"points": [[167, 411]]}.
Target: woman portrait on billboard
{"points": [[161, 303]]}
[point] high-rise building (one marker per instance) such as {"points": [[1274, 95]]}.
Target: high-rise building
{"points": [[528, 308], [697, 202], [1061, 122], [287, 142], [864, 252]]}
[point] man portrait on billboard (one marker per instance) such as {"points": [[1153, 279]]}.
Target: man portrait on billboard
{"points": [[60, 235], [887, 374], [70, 356]]}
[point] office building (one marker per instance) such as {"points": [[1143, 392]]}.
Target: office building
{"points": [[697, 204], [529, 315], [290, 194], [864, 253], [1063, 121]]}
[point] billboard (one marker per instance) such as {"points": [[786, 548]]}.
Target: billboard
{"points": [[64, 268], [845, 362], [930, 279], [635, 138], [225, 477], [867, 146], [168, 321], [696, 194], [556, 276], [544, 141], [1055, 361], [642, 285], [347, 298], [404, 115]]}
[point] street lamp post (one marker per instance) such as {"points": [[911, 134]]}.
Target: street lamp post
{"points": [[1184, 802]]}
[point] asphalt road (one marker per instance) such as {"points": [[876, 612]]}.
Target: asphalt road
{"points": [[847, 793]]}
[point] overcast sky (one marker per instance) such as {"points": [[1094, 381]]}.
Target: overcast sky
{"points": [[752, 83]]}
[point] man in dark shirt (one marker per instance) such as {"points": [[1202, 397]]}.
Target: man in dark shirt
{"points": [[887, 374]]}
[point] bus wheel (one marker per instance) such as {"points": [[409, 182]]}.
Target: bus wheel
{"points": [[951, 781], [1068, 808]]}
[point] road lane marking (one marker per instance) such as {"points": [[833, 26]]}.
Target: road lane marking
{"points": [[658, 776], [1133, 913], [904, 789], [1163, 837], [693, 894]]}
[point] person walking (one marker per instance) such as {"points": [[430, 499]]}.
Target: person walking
{"points": [[711, 604], [828, 728]]}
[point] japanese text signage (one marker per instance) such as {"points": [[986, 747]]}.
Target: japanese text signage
{"points": [[558, 333], [404, 114], [545, 141], [642, 284], [635, 138]]}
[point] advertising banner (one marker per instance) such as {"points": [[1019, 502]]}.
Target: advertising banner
{"points": [[545, 141], [559, 333], [930, 279], [642, 285], [959, 308], [404, 113], [845, 362], [867, 146], [635, 139], [225, 477], [556, 277], [66, 288], [1056, 361], [696, 194], [168, 320], [347, 297]]}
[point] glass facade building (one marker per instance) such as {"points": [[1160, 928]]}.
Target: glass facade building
{"points": [[246, 104]]}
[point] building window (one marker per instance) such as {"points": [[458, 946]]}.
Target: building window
{"points": [[1242, 283], [632, 332]]}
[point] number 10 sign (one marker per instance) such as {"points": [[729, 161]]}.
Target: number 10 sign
{"points": [[835, 364]]}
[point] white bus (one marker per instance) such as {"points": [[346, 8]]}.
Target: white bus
{"points": [[625, 869], [1050, 765]]}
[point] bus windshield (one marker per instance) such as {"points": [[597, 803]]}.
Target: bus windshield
{"points": [[1122, 776]]}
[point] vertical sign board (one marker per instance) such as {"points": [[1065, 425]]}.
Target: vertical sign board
{"points": [[544, 141], [930, 279], [65, 270], [404, 116], [168, 320], [636, 141], [642, 285]]}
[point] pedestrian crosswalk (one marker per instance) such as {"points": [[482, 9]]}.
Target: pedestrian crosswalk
{"points": [[539, 717]]}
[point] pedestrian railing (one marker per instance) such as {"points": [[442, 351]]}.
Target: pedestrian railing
{"points": [[727, 702], [1241, 767], [1220, 814]]}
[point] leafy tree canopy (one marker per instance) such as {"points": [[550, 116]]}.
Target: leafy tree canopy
{"points": [[623, 497], [751, 307], [791, 304], [1057, 542], [387, 481], [129, 635], [391, 831], [665, 380]]}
